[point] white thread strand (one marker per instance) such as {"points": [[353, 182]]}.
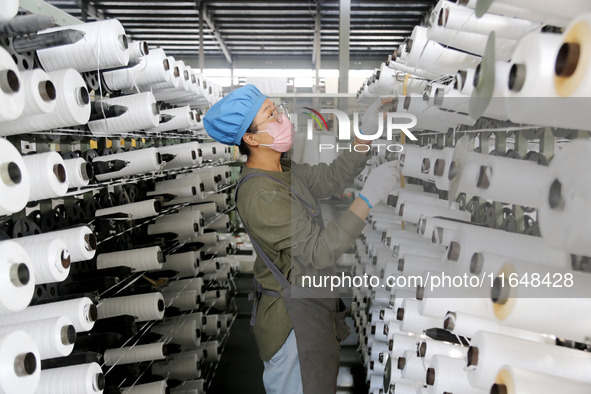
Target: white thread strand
{"points": [[145, 307], [49, 259], [15, 186], [55, 336], [47, 175], [18, 356], [81, 311], [17, 279], [80, 240], [104, 44], [74, 379]]}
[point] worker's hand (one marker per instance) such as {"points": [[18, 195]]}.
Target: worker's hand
{"points": [[380, 182], [369, 123]]}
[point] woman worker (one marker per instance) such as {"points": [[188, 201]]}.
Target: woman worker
{"points": [[297, 335]]}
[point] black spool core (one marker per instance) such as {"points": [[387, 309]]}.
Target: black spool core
{"points": [[93, 313], [555, 199], [47, 90], [14, 173], [11, 84], [430, 376], [60, 172], [83, 96], [30, 363], [498, 388], [23, 274], [100, 381], [567, 59], [517, 77], [71, 334]]}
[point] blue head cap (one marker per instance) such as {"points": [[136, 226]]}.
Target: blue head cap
{"points": [[229, 118]]}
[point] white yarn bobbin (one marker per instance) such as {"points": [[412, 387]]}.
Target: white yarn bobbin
{"points": [[147, 388], [187, 300], [145, 307], [186, 155], [78, 172], [104, 46], [17, 278], [15, 186], [81, 311], [72, 106], [74, 379], [135, 354], [20, 365], [12, 93], [54, 336], [80, 240], [50, 259], [139, 161], [186, 264], [179, 367], [142, 114], [144, 259], [135, 210], [39, 92], [48, 175]]}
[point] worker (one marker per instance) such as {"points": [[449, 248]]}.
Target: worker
{"points": [[297, 336]]}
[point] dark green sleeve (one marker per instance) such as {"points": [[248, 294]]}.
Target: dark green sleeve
{"points": [[323, 179], [280, 225]]}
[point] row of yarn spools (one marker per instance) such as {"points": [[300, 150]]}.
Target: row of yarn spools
{"points": [[53, 91], [448, 74]]}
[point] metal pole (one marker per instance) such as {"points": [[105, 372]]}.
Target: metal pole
{"points": [[344, 33], [201, 47]]}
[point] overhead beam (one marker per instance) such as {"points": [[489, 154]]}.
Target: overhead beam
{"points": [[201, 7]]}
